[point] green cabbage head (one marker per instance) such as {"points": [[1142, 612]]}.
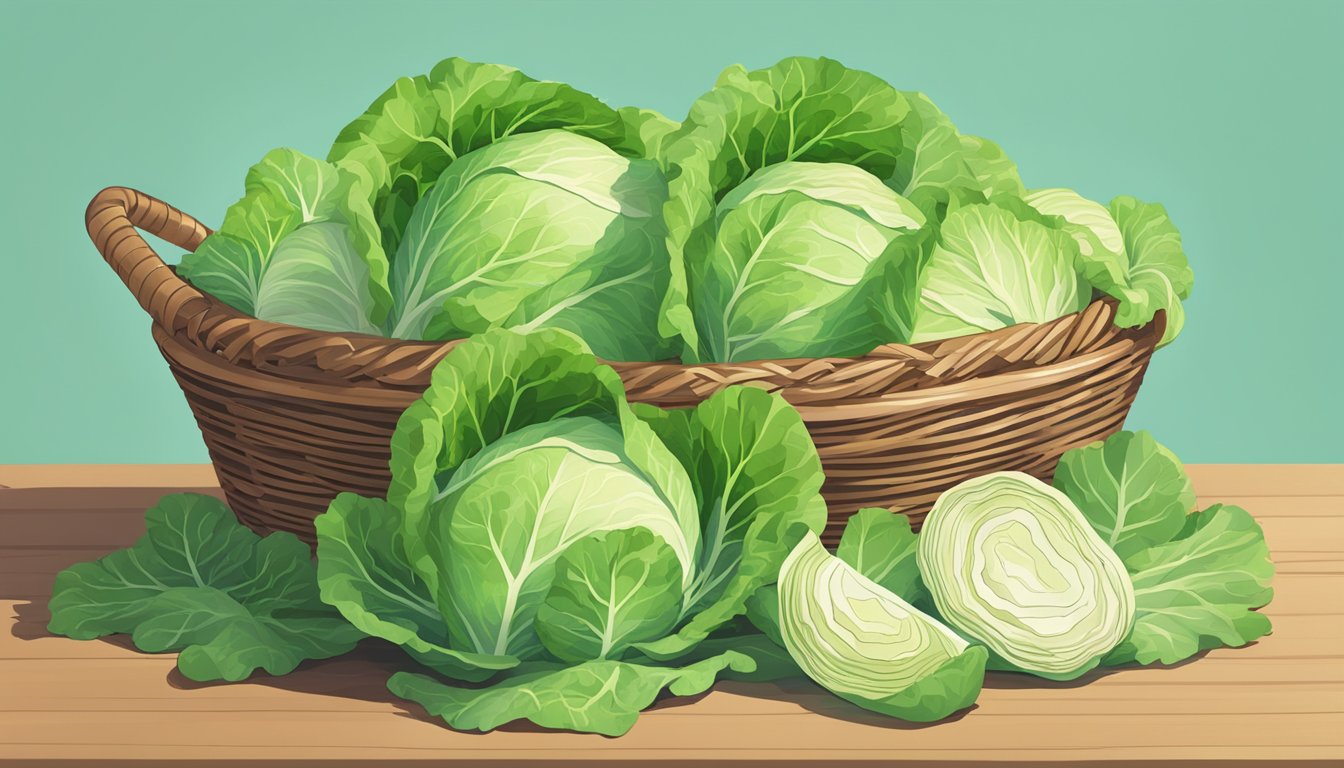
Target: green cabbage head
{"points": [[547, 229]]}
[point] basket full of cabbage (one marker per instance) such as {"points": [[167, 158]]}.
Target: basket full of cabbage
{"points": [[806, 229]]}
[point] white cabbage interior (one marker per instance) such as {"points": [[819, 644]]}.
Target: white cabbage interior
{"points": [[851, 635], [1012, 562]]}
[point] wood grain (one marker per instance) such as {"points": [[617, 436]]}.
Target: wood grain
{"points": [[64, 702]]}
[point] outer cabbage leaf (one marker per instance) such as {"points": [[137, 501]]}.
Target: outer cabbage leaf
{"points": [[1011, 562], [933, 156], [812, 110], [611, 590], [363, 572], [1158, 275], [992, 268], [300, 247], [593, 697], [990, 169], [880, 545], [201, 583], [548, 229], [647, 133], [421, 125], [868, 646], [1133, 491], [757, 481], [1101, 248], [1199, 590]]}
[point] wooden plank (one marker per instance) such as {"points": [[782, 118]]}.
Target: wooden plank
{"points": [[1221, 479], [106, 475]]}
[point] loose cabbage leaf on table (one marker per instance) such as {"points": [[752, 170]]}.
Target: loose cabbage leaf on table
{"points": [[1198, 591], [1198, 577], [201, 583], [603, 697], [1133, 491]]}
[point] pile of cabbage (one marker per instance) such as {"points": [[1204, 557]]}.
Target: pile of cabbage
{"points": [[548, 551], [802, 210]]}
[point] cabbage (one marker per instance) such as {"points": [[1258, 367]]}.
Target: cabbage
{"points": [[534, 515], [468, 199], [993, 267], [546, 229], [779, 215], [301, 247], [791, 274], [867, 645], [1011, 562]]}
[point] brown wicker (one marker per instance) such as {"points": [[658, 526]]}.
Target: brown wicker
{"points": [[292, 416]]}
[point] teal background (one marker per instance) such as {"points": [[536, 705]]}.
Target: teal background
{"points": [[1229, 113]]}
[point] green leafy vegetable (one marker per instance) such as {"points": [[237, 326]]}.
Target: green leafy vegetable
{"points": [[932, 156], [992, 268], [813, 232], [533, 516], [991, 170], [1158, 276], [363, 572], [1133, 491], [1101, 247], [1011, 562], [1198, 578], [1198, 591], [422, 125], [867, 645], [594, 697], [757, 481], [548, 453], [200, 583], [790, 272], [301, 247], [611, 590], [546, 229]]}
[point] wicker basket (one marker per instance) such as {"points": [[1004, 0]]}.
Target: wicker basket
{"points": [[292, 416]]}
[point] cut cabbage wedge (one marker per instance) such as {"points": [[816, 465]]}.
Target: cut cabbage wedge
{"points": [[867, 645]]}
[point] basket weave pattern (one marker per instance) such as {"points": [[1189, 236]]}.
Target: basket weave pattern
{"points": [[293, 416]]}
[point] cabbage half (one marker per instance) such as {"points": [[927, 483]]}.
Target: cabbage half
{"points": [[1011, 562], [867, 645]]}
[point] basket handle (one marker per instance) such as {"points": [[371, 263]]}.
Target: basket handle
{"points": [[113, 219]]}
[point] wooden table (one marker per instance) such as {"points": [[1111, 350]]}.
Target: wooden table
{"points": [[102, 702]]}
